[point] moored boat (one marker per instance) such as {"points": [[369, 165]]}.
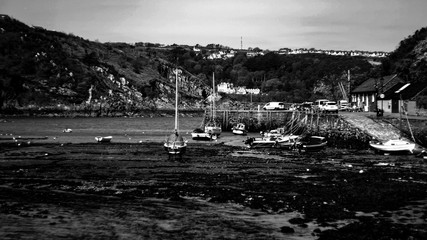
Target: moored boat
{"points": [[274, 133], [67, 130], [392, 146], [311, 143], [199, 134], [175, 144], [239, 129], [103, 139], [212, 129], [287, 141], [262, 142]]}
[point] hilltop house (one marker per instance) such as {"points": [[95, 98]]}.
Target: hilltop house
{"points": [[228, 88], [389, 93]]}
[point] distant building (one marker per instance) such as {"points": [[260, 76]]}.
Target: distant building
{"points": [[389, 93], [228, 88]]}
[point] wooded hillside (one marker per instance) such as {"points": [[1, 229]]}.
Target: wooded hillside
{"points": [[40, 68]]}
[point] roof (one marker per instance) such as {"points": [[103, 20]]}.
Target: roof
{"points": [[407, 93], [369, 86]]}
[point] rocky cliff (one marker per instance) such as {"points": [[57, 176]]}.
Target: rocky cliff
{"points": [[42, 69]]}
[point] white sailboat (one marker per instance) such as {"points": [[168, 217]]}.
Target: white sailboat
{"points": [[392, 145], [175, 144], [212, 128]]}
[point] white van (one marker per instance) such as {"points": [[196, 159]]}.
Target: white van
{"points": [[330, 106], [274, 106]]}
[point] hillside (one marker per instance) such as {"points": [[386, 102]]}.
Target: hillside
{"points": [[47, 69], [43, 70]]}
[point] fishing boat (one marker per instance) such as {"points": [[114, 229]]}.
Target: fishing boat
{"points": [[288, 141], [392, 146], [200, 134], [311, 143], [175, 144], [261, 142], [212, 129], [273, 133], [103, 139], [239, 129]]}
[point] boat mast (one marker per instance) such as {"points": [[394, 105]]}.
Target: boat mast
{"points": [[213, 96], [176, 99]]}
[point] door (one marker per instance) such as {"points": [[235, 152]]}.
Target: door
{"points": [[395, 106]]}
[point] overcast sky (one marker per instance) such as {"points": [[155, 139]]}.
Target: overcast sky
{"points": [[372, 25]]}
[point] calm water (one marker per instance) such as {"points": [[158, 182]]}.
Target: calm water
{"points": [[85, 129]]}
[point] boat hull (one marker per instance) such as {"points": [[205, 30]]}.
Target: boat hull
{"points": [[239, 129], [312, 144], [239, 132], [287, 141], [260, 143], [202, 136], [213, 130], [175, 148]]}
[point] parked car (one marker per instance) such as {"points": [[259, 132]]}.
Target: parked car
{"points": [[330, 106], [319, 104], [305, 106], [274, 106]]}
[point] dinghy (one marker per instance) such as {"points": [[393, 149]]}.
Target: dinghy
{"points": [[103, 139]]}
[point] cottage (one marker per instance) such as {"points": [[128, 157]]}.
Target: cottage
{"points": [[389, 93]]}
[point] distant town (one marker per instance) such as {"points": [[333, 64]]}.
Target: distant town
{"points": [[224, 54], [216, 51]]}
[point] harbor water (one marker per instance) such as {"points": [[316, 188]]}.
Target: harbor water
{"points": [[84, 130]]}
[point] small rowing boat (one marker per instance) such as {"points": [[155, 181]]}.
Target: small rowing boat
{"points": [[103, 139]]}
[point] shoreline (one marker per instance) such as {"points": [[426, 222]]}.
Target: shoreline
{"points": [[92, 114]]}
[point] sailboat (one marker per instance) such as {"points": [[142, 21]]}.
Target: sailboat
{"points": [[212, 128], [175, 144]]}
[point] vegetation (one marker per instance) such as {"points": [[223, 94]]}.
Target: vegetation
{"points": [[40, 68]]}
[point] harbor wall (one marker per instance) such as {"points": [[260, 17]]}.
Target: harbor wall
{"points": [[338, 131]]}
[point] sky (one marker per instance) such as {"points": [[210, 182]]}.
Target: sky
{"points": [[366, 25]]}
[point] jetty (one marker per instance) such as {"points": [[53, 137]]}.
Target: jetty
{"points": [[353, 126], [376, 129]]}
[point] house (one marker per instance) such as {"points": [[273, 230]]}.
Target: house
{"points": [[225, 87], [389, 93]]}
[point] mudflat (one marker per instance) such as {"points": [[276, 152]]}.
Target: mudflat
{"points": [[134, 191]]}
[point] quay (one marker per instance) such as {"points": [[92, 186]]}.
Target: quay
{"points": [[359, 125]]}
